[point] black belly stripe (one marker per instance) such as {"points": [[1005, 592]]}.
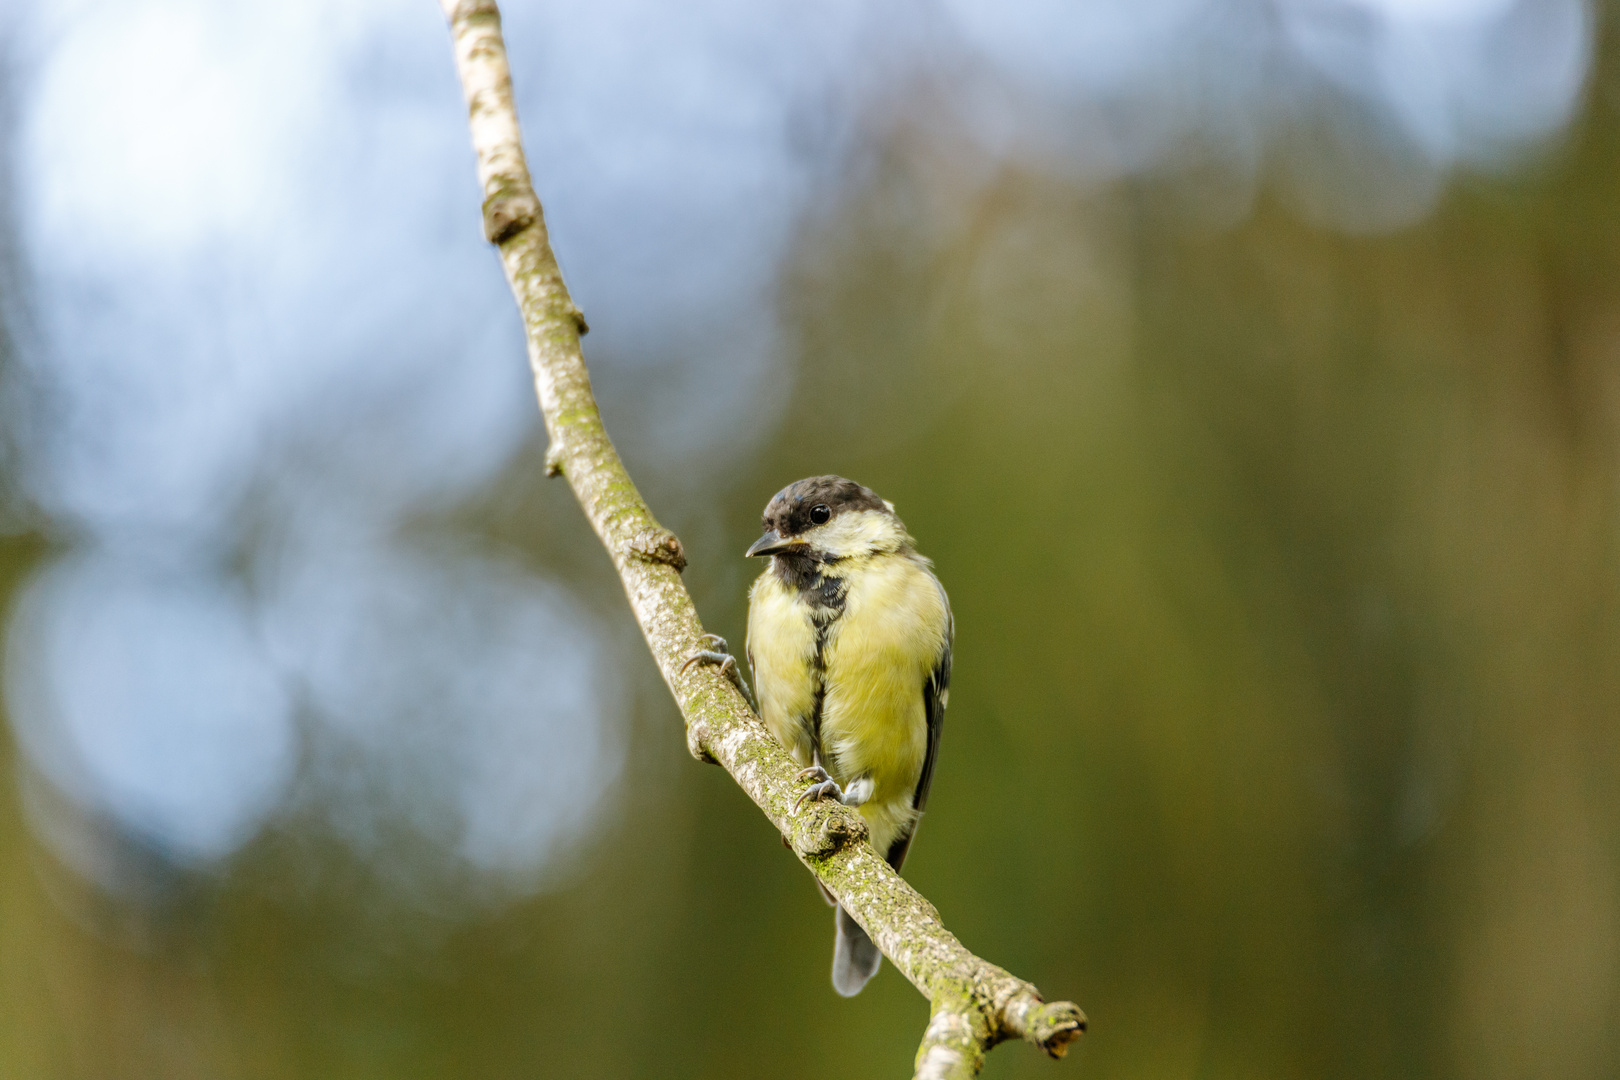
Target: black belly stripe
{"points": [[815, 718], [824, 618], [825, 594]]}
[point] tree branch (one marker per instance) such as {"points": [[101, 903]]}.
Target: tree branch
{"points": [[974, 1004]]}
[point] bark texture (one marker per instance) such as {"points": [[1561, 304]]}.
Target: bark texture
{"points": [[974, 1003]]}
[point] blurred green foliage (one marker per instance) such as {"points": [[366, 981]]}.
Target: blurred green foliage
{"points": [[1283, 730]]}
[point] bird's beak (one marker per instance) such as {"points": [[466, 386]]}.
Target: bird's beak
{"points": [[769, 544]]}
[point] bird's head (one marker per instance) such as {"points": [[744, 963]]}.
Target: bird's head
{"points": [[828, 518]]}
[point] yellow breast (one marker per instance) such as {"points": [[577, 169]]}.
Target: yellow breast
{"points": [[868, 676], [781, 652], [878, 658]]}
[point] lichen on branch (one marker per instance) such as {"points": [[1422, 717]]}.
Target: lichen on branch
{"points": [[974, 1004]]}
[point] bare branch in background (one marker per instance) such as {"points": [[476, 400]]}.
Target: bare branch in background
{"points": [[975, 1004]]}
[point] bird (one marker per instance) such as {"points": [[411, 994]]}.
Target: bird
{"points": [[849, 643]]}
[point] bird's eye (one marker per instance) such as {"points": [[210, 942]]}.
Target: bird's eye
{"points": [[820, 515]]}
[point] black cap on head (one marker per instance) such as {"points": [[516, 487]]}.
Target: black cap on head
{"points": [[790, 512]]}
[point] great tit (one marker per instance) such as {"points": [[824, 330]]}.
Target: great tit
{"points": [[849, 639]]}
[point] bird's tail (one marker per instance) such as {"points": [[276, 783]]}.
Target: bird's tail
{"points": [[855, 956]]}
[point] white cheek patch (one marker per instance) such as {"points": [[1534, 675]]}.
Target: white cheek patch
{"points": [[861, 532]]}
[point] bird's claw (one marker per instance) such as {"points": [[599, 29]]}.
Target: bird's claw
{"points": [[727, 662], [823, 786], [720, 655]]}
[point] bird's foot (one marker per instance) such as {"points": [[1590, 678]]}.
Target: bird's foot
{"points": [[822, 786], [720, 655]]}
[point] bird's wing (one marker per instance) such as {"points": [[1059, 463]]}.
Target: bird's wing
{"points": [[936, 691]]}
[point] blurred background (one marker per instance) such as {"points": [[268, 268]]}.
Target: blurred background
{"points": [[1250, 368]]}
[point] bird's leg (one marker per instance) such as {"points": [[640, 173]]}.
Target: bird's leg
{"points": [[824, 786], [858, 792], [721, 654]]}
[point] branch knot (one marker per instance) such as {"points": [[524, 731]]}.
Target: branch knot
{"points": [[834, 829], [697, 742], [507, 213], [658, 546]]}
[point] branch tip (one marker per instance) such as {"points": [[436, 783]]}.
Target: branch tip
{"points": [[459, 11], [1052, 1026]]}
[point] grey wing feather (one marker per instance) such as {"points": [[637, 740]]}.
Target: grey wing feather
{"points": [[936, 690], [935, 693]]}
